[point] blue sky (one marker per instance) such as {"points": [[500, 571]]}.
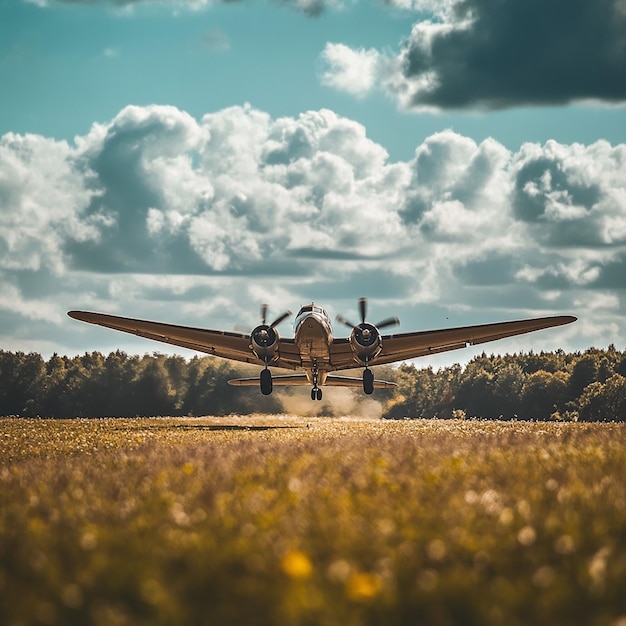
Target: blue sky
{"points": [[67, 65], [456, 162]]}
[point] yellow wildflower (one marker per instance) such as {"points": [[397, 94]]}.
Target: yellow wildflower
{"points": [[296, 565], [363, 586]]}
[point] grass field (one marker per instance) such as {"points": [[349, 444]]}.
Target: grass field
{"points": [[292, 521]]}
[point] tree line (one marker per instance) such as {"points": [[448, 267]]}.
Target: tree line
{"points": [[580, 386]]}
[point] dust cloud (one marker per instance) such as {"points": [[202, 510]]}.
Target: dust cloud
{"points": [[337, 402]]}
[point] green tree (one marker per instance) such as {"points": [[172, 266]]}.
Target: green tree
{"points": [[151, 392], [603, 402], [72, 395], [423, 392], [476, 392], [621, 366], [508, 387], [177, 369], [119, 371], [545, 361], [21, 383], [584, 372], [543, 393], [56, 371]]}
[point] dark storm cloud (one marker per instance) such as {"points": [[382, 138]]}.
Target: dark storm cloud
{"points": [[500, 53]]}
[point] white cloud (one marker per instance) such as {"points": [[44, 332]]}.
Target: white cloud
{"points": [[571, 195], [43, 194], [13, 301], [354, 71], [155, 208]]}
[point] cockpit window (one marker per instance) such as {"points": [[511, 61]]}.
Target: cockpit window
{"points": [[311, 308]]}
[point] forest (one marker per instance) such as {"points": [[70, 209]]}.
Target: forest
{"points": [[558, 386]]}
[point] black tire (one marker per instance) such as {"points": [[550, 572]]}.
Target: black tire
{"points": [[319, 394], [266, 382], [368, 382]]}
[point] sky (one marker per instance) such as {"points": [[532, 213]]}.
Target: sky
{"points": [[454, 161]]}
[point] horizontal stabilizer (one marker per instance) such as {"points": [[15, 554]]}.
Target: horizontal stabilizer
{"points": [[288, 379], [301, 379], [347, 381]]}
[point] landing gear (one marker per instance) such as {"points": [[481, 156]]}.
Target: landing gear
{"points": [[266, 381], [368, 381], [316, 392]]}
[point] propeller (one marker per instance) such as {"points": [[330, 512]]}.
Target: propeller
{"points": [[277, 321], [264, 336], [390, 321]]}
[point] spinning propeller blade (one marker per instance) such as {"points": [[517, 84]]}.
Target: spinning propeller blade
{"points": [[277, 321], [390, 321]]}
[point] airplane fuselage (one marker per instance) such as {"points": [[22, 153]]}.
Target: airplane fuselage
{"points": [[313, 336]]}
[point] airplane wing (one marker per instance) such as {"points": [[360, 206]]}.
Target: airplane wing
{"points": [[228, 345], [406, 346]]}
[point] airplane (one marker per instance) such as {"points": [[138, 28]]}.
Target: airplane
{"points": [[313, 348]]}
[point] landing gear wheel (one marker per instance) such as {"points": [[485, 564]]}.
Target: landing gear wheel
{"points": [[266, 382], [319, 394], [313, 394], [368, 381], [316, 393]]}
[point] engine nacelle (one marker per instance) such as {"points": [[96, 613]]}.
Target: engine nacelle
{"points": [[365, 342], [264, 344]]}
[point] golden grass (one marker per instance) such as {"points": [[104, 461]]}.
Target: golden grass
{"points": [[292, 521]]}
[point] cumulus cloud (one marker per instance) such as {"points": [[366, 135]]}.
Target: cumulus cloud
{"points": [[494, 54], [42, 191], [571, 195], [156, 207], [354, 71]]}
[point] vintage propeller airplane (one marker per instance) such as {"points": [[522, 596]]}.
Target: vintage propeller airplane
{"points": [[313, 348]]}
